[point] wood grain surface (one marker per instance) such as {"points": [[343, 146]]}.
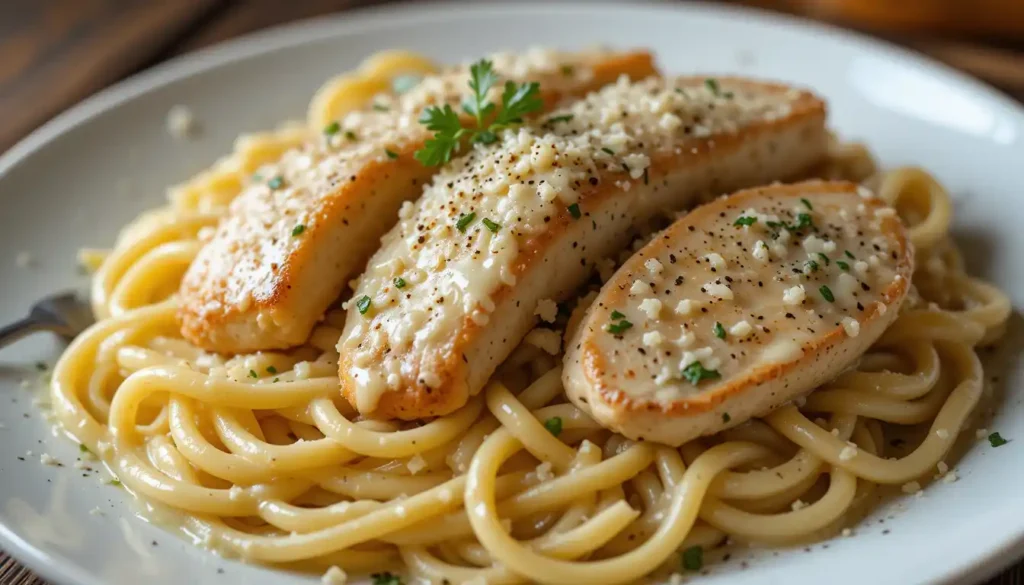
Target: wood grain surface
{"points": [[54, 53]]}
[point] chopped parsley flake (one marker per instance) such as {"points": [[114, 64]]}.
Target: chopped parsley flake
{"points": [[554, 425], [843, 265], [824, 258], [574, 211], [297, 230], [608, 150], [253, 374], [276, 183], [712, 85], [363, 304], [693, 558], [399, 282], [618, 328], [718, 330], [391, 154], [568, 70], [332, 128], [745, 220], [465, 220], [696, 373], [849, 255], [386, 578], [810, 266], [350, 135], [271, 370], [617, 315], [803, 220], [826, 292], [83, 449], [996, 440], [380, 107], [494, 227], [114, 482], [557, 119], [807, 203]]}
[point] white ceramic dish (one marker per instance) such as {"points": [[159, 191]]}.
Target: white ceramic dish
{"points": [[78, 179]]}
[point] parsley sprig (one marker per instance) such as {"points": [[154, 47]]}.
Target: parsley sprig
{"points": [[517, 100]]}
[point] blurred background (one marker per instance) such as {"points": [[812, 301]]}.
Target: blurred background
{"points": [[53, 53]]}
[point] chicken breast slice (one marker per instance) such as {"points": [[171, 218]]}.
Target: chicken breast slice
{"points": [[512, 227], [742, 305], [298, 233]]}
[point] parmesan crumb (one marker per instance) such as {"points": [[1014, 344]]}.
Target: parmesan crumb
{"points": [[47, 459], [651, 306], [546, 339], [547, 310], [715, 260], [942, 434], [653, 339], [416, 464], [851, 326], [718, 290], [761, 252], [741, 330], [794, 295], [942, 467], [950, 477], [653, 266], [181, 122], [847, 532], [848, 453], [798, 505], [639, 288], [686, 307], [911, 487], [334, 576]]}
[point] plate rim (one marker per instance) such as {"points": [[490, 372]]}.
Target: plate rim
{"points": [[64, 571]]}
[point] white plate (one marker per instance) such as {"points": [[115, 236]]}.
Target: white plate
{"points": [[78, 179]]}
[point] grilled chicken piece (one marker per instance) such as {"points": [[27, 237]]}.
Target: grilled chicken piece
{"points": [[744, 304], [293, 239], [512, 227]]}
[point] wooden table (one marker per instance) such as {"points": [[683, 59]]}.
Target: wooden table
{"points": [[54, 53]]}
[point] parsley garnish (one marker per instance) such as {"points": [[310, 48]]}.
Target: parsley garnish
{"points": [[557, 119], [494, 227], [608, 150], [996, 440], [380, 107], [114, 482], [568, 70], [350, 135], [465, 220], [386, 578], [803, 220], [824, 258], [718, 330], [332, 128], [83, 449], [826, 292], [695, 373], [693, 558], [725, 417], [712, 85], [363, 304], [843, 265], [810, 266], [745, 220], [391, 154], [618, 328], [617, 315], [253, 374], [271, 370], [849, 255], [574, 211], [554, 425], [276, 183], [297, 230], [399, 282], [404, 83], [807, 203], [516, 102]]}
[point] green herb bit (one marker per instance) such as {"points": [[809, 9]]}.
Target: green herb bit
{"points": [[297, 230], [843, 265], [810, 266], [696, 373], [41, 366], [464, 221], [481, 79], [399, 282], [363, 304], [271, 370], [745, 220], [447, 129], [806, 203], [849, 255], [554, 425], [350, 135], [617, 315], [83, 449], [115, 482], [693, 558], [718, 330], [332, 128], [618, 328], [568, 70], [574, 211], [391, 154], [276, 183], [516, 102], [824, 258], [494, 227], [607, 150], [404, 83], [276, 380], [826, 292], [803, 220], [253, 374], [712, 85], [386, 578], [725, 417], [380, 107], [557, 119], [996, 440]]}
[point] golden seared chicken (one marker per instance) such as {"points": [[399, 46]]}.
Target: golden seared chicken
{"points": [[742, 305], [294, 238], [513, 226]]}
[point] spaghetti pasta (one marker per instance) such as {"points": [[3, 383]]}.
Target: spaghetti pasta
{"points": [[261, 457]]}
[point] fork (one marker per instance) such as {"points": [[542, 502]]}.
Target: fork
{"points": [[66, 314]]}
